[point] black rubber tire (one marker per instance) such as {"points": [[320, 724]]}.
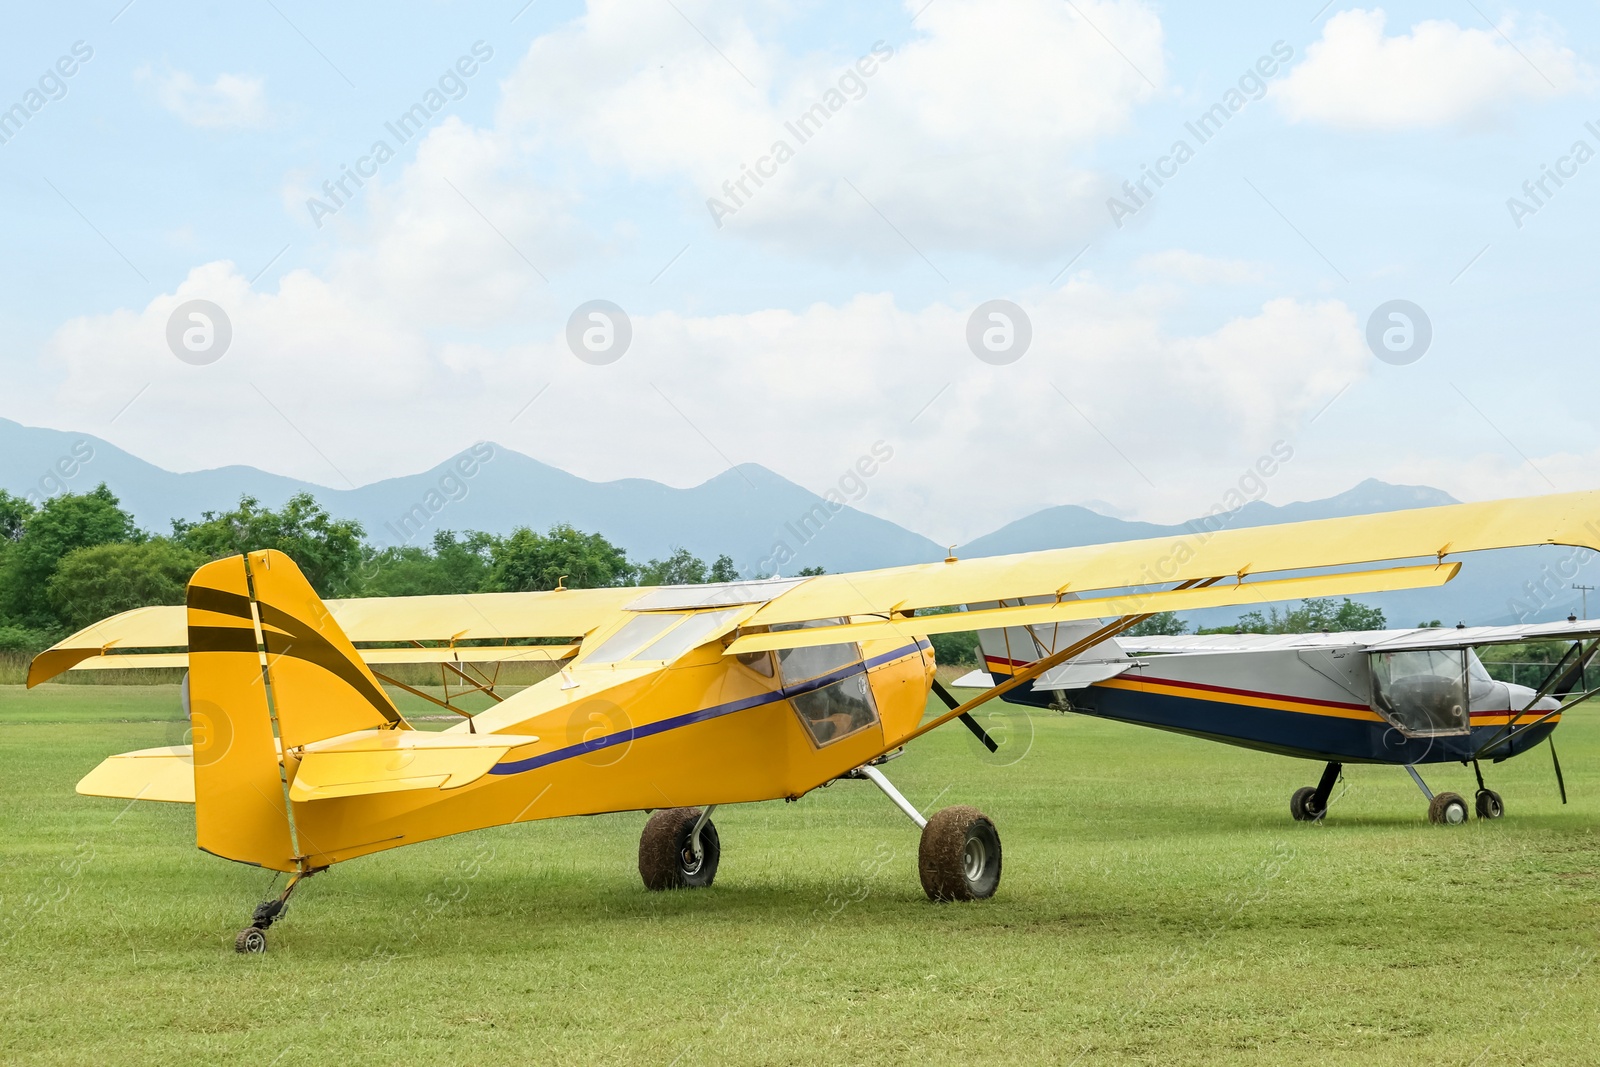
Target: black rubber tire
{"points": [[1489, 805], [1303, 805], [952, 836], [251, 940], [1447, 809], [665, 861]]}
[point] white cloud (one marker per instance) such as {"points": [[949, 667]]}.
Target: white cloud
{"points": [[1197, 269], [332, 384], [425, 329], [230, 102], [971, 135], [1438, 74]]}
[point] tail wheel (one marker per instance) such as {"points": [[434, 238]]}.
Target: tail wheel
{"points": [[1489, 804], [667, 857], [1303, 805], [1447, 809], [251, 939], [959, 858]]}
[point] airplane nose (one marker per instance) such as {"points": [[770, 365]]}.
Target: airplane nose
{"points": [[1520, 695]]}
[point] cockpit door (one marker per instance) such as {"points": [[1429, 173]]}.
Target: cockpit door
{"points": [[1422, 692]]}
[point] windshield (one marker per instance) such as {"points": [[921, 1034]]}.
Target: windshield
{"points": [[633, 635], [700, 628], [1424, 692]]}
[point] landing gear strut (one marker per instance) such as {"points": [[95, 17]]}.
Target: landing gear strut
{"points": [[958, 857], [1310, 804], [1487, 802], [1444, 809], [253, 938]]}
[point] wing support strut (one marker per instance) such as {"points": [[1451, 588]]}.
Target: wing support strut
{"points": [[1557, 676], [445, 704], [1032, 671], [966, 717]]}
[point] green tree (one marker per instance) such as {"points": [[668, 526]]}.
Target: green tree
{"points": [[1317, 615], [1162, 623], [1353, 615], [327, 550], [526, 560], [14, 512], [680, 568], [956, 650], [65, 522], [723, 570], [453, 565], [810, 572], [93, 583]]}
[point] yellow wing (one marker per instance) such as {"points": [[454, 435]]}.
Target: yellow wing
{"points": [[1255, 561], [1232, 594], [443, 619], [1259, 552]]}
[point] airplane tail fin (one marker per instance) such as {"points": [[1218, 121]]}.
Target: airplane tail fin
{"points": [[1008, 651], [269, 672]]}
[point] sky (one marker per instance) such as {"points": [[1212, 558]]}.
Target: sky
{"points": [[1039, 252]]}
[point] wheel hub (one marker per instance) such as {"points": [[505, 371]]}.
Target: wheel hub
{"points": [[974, 857]]}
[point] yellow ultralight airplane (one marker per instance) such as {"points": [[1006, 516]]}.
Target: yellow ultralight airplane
{"points": [[672, 700]]}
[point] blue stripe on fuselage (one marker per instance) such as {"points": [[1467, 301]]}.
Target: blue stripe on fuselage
{"points": [[1288, 733], [583, 748]]}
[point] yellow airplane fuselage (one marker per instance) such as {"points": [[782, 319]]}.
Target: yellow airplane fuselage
{"points": [[709, 729]]}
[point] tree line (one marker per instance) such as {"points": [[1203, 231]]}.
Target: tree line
{"points": [[80, 557], [1313, 616]]}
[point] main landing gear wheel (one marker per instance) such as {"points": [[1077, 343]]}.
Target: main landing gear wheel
{"points": [[1489, 804], [667, 857], [251, 939], [1303, 805], [1447, 809], [959, 858]]}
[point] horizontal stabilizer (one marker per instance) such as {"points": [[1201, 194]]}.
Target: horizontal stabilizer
{"points": [[1078, 674], [148, 774], [388, 761]]}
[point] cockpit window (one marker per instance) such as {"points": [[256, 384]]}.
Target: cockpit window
{"points": [[803, 664], [700, 628], [1424, 692], [635, 633], [828, 686]]}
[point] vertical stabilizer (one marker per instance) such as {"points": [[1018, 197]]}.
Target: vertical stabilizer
{"points": [[240, 805]]}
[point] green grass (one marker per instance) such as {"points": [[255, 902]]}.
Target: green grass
{"points": [[1158, 906]]}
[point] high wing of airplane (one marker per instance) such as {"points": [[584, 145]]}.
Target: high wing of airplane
{"points": [[674, 700]]}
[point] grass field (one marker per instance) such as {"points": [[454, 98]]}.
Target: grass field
{"points": [[1158, 906]]}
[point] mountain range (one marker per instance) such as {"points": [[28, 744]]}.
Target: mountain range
{"points": [[761, 519]]}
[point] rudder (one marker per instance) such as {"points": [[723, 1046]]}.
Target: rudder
{"points": [[241, 810], [270, 671]]}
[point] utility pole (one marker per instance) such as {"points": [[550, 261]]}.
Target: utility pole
{"points": [[1586, 589]]}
